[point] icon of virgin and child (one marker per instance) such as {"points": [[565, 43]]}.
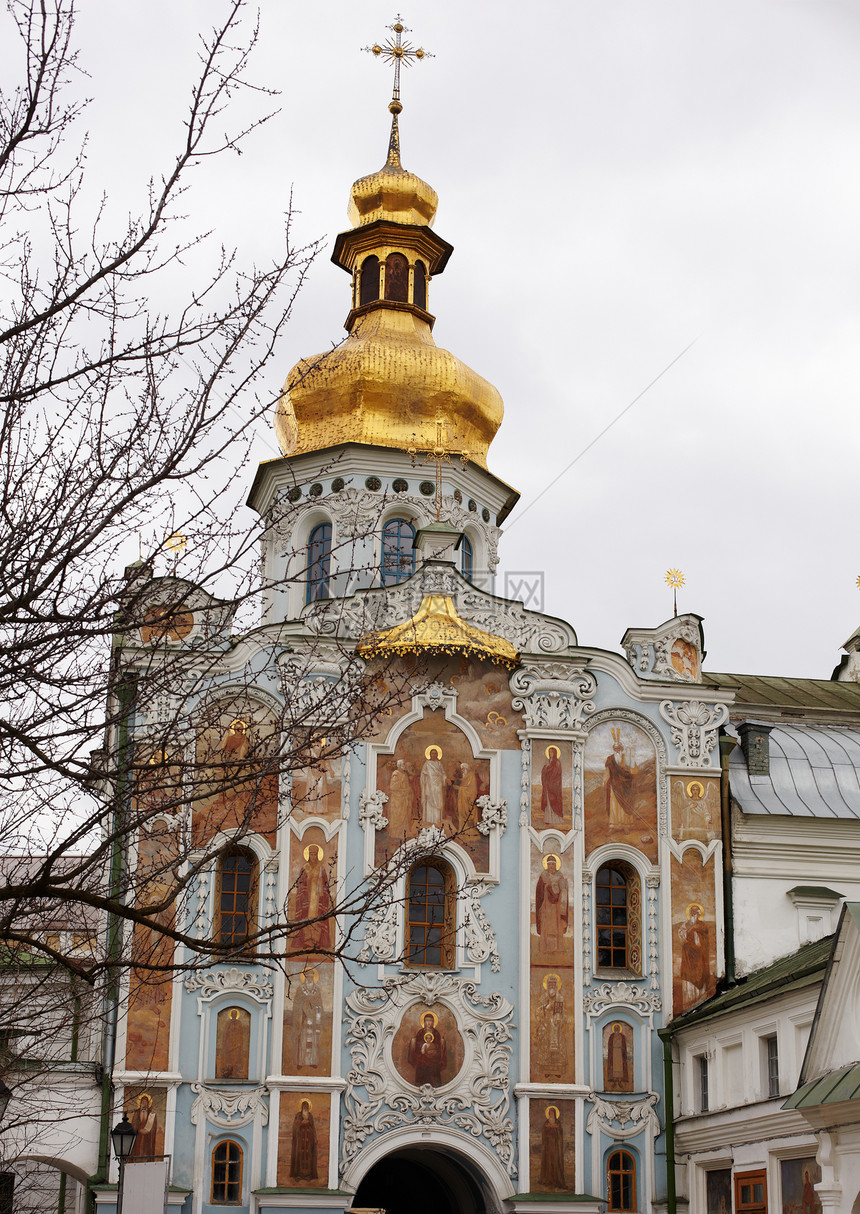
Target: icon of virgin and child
{"points": [[432, 779]]}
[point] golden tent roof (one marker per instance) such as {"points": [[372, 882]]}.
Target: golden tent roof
{"points": [[437, 628]]}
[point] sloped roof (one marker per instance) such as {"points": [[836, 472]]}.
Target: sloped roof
{"points": [[840, 1085], [803, 968], [814, 773], [765, 691]]}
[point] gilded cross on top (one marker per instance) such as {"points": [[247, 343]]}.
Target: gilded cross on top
{"points": [[395, 50], [440, 454]]}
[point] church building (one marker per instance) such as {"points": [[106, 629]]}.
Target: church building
{"points": [[535, 891]]}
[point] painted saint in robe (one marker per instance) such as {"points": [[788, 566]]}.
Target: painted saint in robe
{"points": [[308, 1021], [551, 1038], [551, 906], [618, 783], [617, 1059], [552, 1151], [232, 1044], [313, 901], [432, 787], [550, 783], [303, 1156], [428, 1052], [402, 806], [145, 1121], [695, 962], [467, 793]]}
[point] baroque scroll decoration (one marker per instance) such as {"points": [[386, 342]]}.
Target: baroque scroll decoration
{"points": [[371, 809], [480, 938], [493, 814], [694, 725], [553, 696], [620, 994], [230, 1109], [381, 936], [209, 983], [622, 1118], [476, 1101]]}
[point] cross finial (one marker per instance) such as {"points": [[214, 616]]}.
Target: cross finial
{"points": [[439, 454], [395, 50]]}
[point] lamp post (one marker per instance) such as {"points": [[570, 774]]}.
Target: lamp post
{"points": [[122, 1136]]}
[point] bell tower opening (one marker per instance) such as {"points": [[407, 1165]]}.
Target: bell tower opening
{"points": [[425, 1180]]}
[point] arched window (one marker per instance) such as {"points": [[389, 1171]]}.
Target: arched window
{"points": [[319, 562], [618, 901], [419, 285], [466, 558], [431, 896], [227, 1174], [398, 555], [621, 1181], [396, 277], [369, 287], [236, 893]]}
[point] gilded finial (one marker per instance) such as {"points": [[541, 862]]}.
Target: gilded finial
{"points": [[395, 50], [675, 578]]}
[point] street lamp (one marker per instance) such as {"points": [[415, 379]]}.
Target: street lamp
{"points": [[5, 1094], [122, 1136]]}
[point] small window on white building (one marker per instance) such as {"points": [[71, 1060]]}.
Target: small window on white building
{"points": [[702, 1083], [771, 1066]]}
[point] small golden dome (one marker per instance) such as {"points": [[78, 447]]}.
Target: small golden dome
{"points": [[387, 385], [392, 193]]}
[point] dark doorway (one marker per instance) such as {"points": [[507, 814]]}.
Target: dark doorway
{"points": [[423, 1180]]}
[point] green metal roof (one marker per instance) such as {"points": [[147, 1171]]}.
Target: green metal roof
{"points": [[799, 969], [768, 691], [833, 1088]]}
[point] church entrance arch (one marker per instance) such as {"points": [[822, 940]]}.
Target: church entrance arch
{"points": [[426, 1179]]}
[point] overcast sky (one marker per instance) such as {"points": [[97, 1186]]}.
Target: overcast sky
{"points": [[619, 178]]}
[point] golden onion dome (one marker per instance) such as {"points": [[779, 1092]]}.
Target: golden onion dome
{"points": [[392, 193], [389, 384]]}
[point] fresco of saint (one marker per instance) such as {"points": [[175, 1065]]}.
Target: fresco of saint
{"points": [[551, 802], [432, 787], [618, 1057], [313, 901], [233, 1040], [695, 959], [308, 1019], [551, 1034], [551, 906], [428, 1052], [552, 1151], [620, 779], [303, 1156], [145, 1121]]}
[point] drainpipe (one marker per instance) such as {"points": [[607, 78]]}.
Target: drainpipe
{"points": [[669, 1098], [125, 693], [727, 745]]}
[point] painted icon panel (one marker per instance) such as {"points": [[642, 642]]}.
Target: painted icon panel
{"points": [[552, 1025], [236, 777], [798, 1179], [552, 787], [308, 1019], [551, 918], [694, 947], [432, 779], [618, 1060], [316, 787], [552, 1162], [146, 1109], [427, 1047], [303, 1136], [233, 1043], [313, 867], [150, 982], [621, 787], [695, 808]]}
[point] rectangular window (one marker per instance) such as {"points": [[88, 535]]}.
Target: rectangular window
{"points": [[772, 1066], [703, 1084], [751, 1193]]}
